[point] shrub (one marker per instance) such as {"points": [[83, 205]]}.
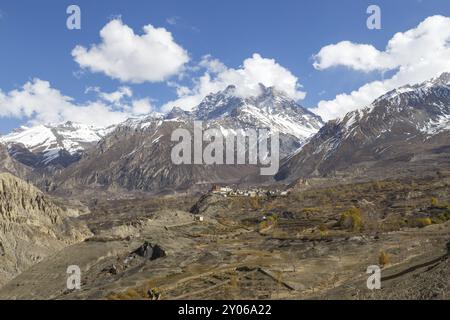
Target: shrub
{"points": [[434, 202], [255, 204], [263, 225], [273, 219], [441, 217], [424, 222], [383, 259], [351, 219]]}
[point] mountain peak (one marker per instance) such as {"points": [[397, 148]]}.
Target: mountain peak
{"points": [[230, 89], [413, 91], [271, 91], [68, 124], [223, 103], [443, 79], [177, 112], [218, 104]]}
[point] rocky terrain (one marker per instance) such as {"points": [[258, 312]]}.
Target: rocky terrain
{"points": [[8, 164], [32, 227], [317, 242]]}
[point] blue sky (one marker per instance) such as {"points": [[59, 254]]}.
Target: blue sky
{"points": [[35, 42]]}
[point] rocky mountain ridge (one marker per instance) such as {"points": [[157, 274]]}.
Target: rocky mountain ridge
{"points": [[32, 226]]}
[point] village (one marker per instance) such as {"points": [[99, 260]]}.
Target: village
{"points": [[228, 191]]}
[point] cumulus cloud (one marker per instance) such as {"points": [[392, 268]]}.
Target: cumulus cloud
{"points": [[39, 103], [112, 97], [360, 57], [141, 106], [151, 57], [414, 56], [217, 77]]}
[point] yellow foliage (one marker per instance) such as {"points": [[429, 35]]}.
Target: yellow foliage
{"points": [[434, 202], [383, 259], [424, 222], [352, 219]]}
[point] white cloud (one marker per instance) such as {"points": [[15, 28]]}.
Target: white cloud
{"points": [[246, 78], [39, 103], [112, 97], [415, 56], [360, 57], [124, 55], [141, 106], [212, 65], [172, 20]]}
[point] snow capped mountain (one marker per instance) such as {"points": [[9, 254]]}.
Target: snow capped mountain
{"points": [[410, 120], [438, 85], [271, 109], [407, 125], [46, 145], [434, 95], [142, 122], [63, 144], [220, 104], [224, 110], [137, 154], [422, 107]]}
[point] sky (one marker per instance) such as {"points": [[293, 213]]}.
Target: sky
{"points": [[136, 57]]}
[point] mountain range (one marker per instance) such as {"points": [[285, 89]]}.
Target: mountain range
{"points": [[52, 145], [136, 154], [408, 125]]}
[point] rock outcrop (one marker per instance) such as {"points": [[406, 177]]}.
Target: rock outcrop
{"points": [[32, 227], [8, 164]]}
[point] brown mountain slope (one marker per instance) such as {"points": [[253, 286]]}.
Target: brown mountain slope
{"points": [[31, 227], [8, 164], [408, 127], [139, 158]]}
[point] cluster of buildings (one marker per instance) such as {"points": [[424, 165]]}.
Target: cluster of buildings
{"points": [[227, 191]]}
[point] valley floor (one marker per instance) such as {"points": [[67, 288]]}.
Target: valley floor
{"points": [[315, 243]]}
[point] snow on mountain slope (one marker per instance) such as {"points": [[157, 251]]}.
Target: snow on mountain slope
{"points": [[137, 154], [271, 109], [405, 124], [52, 144], [62, 145]]}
